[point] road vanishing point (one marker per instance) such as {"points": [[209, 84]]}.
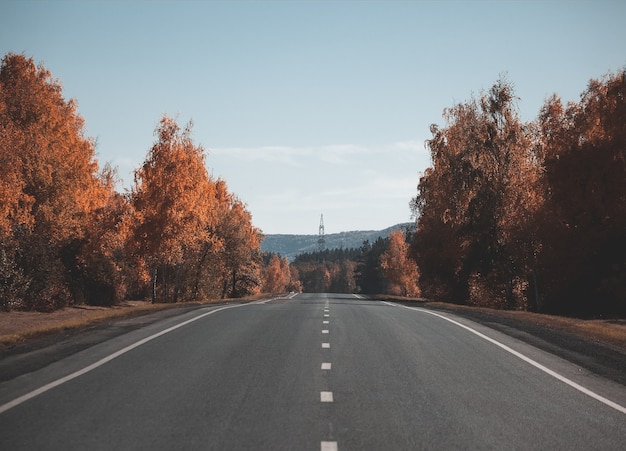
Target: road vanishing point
{"points": [[311, 372]]}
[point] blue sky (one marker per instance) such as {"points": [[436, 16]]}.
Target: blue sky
{"points": [[307, 108]]}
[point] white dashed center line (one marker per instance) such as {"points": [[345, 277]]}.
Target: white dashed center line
{"points": [[327, 396]]}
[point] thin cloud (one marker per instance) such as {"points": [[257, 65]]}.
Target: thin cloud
{"points": [[287, 186], [333, 153], [268, 154]]}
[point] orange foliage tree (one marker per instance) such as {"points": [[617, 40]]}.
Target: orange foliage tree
{"points": [[398, 267], [528, 216], [474, 203], [174, 200], [106, 271], [582, 147], [276, 276], [234, 261], [66, 235], [49, 184]]}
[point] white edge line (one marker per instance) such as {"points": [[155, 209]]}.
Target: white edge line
{"points": [[526, 359], [99, 363]]}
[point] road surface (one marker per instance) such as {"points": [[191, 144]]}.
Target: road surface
{"points": [[316, 371]]}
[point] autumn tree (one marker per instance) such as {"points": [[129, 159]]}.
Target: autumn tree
{"points": [[49, 185], [239, 254], [398, 267], [276, 276], [343, 277], [105, 271], [582, 147], [174, 200], [340, 270], [295, 284], [66, 235], [468, 201], [15, 206], [437, 247]]}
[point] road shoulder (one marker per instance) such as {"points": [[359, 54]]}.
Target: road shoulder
{"points": [[604, 356]]}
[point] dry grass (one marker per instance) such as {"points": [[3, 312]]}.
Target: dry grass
{"points": [[18, 327], [607, 331]]}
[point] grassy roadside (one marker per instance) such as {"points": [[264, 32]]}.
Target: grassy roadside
{"points": [[19, 327], [609, 332]]}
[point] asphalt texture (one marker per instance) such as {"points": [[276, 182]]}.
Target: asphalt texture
{"points": [[250, 377]]}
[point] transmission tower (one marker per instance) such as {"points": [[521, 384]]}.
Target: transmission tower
{"points": [[321, 247], [321, 241]]}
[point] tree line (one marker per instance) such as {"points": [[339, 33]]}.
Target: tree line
{"points": [[68, 237], [384, 266], [510, 214], [532, 215]]}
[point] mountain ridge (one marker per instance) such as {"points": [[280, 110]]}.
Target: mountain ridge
{"points": [[290, 246]]}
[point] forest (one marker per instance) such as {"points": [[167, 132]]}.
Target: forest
{"points": [[67, 237], [384, 266], [528, 216], [511, 215]]}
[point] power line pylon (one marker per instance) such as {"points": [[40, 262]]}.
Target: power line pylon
{"points": [[321, 247], [321, 241]]}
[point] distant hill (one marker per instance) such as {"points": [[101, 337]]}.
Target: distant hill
{"points": [[291, 245]]}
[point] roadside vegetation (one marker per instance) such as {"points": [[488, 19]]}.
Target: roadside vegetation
{"points": [[384, 266], [67, 237], [527, 216], [511, 215], [21, 327]]}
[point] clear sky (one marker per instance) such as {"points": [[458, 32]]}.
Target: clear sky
{"points": [[308, 107]]}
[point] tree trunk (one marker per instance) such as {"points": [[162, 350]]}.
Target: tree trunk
{"points": [[536, 286], [196, 281], [232, 291], [177, 279], [224, 286], [154, 285]]}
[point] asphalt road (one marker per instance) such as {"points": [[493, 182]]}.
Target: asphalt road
{"points": [[308, 373]]}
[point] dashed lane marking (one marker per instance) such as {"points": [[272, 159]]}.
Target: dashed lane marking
{"points": [[329, 446], [326, 366], [326, 345], [326, 396], [324, 331]]}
